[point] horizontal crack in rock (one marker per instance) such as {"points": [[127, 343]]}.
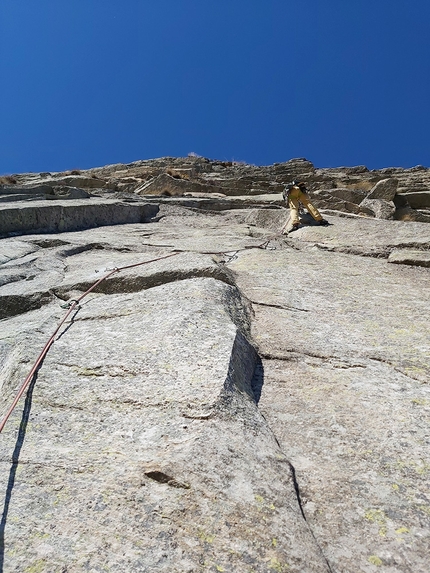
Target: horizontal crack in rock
{"points": [[12, 305], [382, 253], [117, 284], [293, 356], [281, 307]]}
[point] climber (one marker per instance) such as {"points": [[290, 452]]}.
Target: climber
{"points": [[294, 194]]}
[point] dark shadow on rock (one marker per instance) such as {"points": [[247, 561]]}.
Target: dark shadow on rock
{"points": [[244, 363], [258, 380], [306, 218], [71, 323], [15, 461]]}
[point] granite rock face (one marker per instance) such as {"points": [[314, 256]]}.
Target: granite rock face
{"points": [[385, 189], [228, 398], [165, 184], [381, 208], [49, 217], [341, 189]]}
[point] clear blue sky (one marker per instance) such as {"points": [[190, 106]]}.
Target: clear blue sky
{"points": [[86, 83]]}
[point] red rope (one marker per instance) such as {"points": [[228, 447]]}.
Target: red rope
{"points": [[75, 304]]}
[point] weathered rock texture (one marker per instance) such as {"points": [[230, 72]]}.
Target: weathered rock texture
{"points": [[341, 189], [253, 403]]}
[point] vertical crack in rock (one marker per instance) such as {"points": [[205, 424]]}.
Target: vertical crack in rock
{"points": [[244, 381], [172, 490], [246, 377]]}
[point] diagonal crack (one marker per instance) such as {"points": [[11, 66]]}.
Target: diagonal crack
{"points": [[280, 306]]}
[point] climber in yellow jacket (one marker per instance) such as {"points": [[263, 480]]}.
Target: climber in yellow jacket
{"points": [[296, 193]]}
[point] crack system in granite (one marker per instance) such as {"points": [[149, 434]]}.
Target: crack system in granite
{"points": [[131, 285]]}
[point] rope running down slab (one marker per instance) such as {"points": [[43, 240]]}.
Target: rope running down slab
{"points": [[74, 305]]}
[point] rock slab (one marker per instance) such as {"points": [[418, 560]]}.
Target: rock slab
{"points": [[161, 428], [144, 450]]}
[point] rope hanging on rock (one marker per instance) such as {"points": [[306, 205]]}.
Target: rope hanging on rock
{"points": [[72, 305]]}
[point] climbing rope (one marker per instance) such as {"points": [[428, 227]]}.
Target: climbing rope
{"points": [[73, 304]]}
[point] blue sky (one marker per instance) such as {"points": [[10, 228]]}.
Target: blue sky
{"points": [[85, 83]]}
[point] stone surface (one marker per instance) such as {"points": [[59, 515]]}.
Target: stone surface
{"points": [[381, 208], [418, 200], [409, 214], [79, 181], [410, 257], [339, 189], [346, 392], [252, 403], [385, 189], [64, 192], [27, 192], [332, 199], [144, 449], [48, 217], [362, 236], [165, 184], [349, 195]]}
